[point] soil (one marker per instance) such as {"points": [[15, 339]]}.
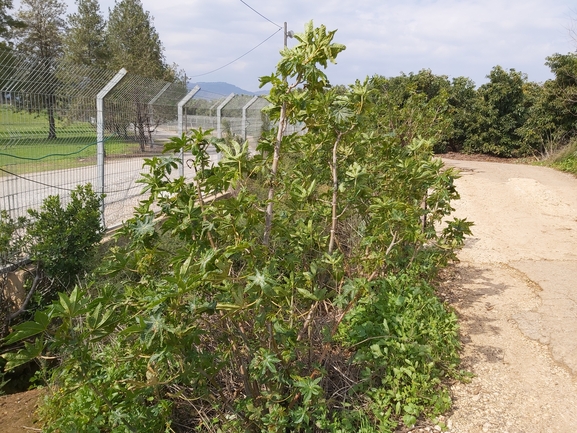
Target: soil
{"points": [[515, 292], [17, 412]]}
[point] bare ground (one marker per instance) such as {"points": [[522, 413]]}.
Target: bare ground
{"points": [[515, 292], [17, 412]]}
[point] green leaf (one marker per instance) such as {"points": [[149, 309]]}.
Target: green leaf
{"points": [[306, 294], [70, 305], [376, 351], [409, 420], [28, 329], [30, 352], [227, 307], [134, 329], [186, 265]]}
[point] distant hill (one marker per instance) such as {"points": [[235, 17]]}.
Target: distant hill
{"points": [[216, 90]]}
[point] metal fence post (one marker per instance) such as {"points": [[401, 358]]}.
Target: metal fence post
{"points": [[246, 107], [100, 135], [151, 109], [180, 125], [219, 113]]}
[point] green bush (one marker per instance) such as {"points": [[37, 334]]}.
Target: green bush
{"points": [[63, 238], [53, 246], [253, 320]]}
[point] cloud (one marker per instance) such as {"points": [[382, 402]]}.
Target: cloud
{"points": [[450, 37]]}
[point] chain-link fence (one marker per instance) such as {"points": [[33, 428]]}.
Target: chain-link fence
{"points": [[64, 124]]}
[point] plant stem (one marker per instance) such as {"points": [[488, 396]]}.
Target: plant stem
{"points": [[274, 170], [22, 309], [335, 194]]}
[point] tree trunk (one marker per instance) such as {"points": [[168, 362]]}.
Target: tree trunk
{"points": [[51, 120]]}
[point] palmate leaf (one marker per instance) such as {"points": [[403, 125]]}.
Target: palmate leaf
{"points": [[30, 352], [29, 329], [73, 305]]}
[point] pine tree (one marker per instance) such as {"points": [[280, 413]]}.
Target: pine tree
{"points": [[41, 40], [133, 41], [84, 42], [7, 24], [42, 35]]}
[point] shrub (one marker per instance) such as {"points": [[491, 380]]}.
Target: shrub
{"points": [[52, 245], [254, 322]]}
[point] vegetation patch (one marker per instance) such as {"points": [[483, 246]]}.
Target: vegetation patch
{"points": [[300, 301], [566, 159]]}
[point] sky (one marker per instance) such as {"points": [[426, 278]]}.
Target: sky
{"points": [[384, 37]]}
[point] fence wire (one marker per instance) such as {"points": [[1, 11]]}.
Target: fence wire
{"points": [[49, 123]]}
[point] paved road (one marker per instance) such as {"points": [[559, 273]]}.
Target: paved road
{"points": [[17, 194], [526, 218]]}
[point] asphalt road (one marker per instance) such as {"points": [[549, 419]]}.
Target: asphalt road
{"points": [[19, 193]]}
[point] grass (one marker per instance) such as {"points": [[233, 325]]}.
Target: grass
{"points": [[25, 147], [566, 158]]}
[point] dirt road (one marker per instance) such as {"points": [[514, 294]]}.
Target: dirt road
{"points": [[515, 291]]}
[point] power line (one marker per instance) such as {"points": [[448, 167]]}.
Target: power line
{"points": [[238, 58], [258, 13], [249, 51]]}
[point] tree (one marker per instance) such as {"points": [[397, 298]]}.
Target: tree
{"points": [[85, 39], [412, 105], [41, 39], [7, 24], [503, 110], [133, 41], [42, 35], [564, 86], [135, 45], [551, 121], [462, 112]]}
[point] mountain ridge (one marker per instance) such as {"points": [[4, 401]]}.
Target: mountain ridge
{"points": [[219, 89]]}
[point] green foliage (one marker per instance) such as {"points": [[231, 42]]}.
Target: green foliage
{"points": [[501, 111], [405, 343], [84, 41], [133, 41], [225, 316], [53, 247], [414, 105], [11, 238], [63, 238], [42, 34], [462, 110], [566, 158], [7, 24]]}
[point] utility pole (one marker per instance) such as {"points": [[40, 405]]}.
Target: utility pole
{"points": [[287, 34]]}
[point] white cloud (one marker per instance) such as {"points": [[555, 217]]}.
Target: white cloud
{"points": [[451, 37]]}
